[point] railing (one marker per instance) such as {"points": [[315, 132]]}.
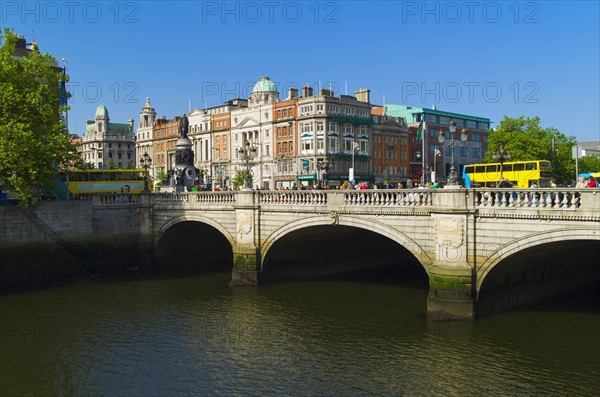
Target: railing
{"points": [[228, 197], [288, 197], [380, 197], [546, 198], [550, 198]]}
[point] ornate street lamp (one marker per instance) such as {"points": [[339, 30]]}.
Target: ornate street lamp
{"points": [[145, 161], [323, 166], [247, 153], [453, 176], [501, 156]]}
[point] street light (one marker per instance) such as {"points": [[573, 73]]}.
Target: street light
{"points": [[453, 176], [322, 166], [247, 153], [145, 161], [501, 156], [355, 147]]}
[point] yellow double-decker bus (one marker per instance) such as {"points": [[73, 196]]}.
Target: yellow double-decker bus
{"points": [[520, 173], [80, 182]]}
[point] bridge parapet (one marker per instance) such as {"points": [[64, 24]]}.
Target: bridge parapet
{"points": [[547, 198]]}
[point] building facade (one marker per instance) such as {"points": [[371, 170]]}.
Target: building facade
{"points": [[428, 159], [108, 145]]}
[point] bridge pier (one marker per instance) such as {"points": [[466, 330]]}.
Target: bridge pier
{"points": [[146, 239], [451, 294], [246, 251], [246, 259]]}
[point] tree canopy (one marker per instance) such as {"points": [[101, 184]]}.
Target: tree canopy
{"points": [[525, 139], [33, 135]]}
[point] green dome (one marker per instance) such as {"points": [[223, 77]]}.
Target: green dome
{"points": [[101, 112], [264, 85]]}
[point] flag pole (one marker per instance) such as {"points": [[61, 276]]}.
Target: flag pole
{"points": [[423, 154]]}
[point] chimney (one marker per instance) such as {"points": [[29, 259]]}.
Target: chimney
{"points": [[307, 91], [292, 93], [363, 95], [326, 92]]}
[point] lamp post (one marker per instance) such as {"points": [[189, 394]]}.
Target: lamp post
{"points": [[145, 161], [247, 153], [501, 156], [322, 166], [453, 176], [63, 85], [355, 147]]}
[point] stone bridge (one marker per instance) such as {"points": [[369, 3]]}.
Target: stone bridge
{"points": [[483, 250]]}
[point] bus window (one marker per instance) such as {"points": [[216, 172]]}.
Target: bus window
{"points": [[479, 168], [507, 167], [469, 169], [491, 168], [531, 166], [545, 165], [519, 167]]}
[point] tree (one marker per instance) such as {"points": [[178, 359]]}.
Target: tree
{"points": [[589, 164], [33, 136], [240, 178], [525, 139]]}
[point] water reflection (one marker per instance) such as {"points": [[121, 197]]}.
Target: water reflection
{"points": [[187, 334]]}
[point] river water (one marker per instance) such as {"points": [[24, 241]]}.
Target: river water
{"points": [[174, 332]]}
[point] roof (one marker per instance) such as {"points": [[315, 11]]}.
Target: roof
{"points": [[101, 112], [401, 110], [264, 85]]}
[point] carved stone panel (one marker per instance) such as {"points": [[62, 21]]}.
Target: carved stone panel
{"points": [[450, 240]]}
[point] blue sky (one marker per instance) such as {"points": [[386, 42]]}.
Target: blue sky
{"points": [[488, 59]]}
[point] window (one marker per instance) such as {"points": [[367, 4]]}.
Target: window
{"points": [[307, 144], [348, 129], [348, 145], [332, 127], [519, 167], [531, 166], [476, 152], [334, 144], [364, 146], [476, 137], [491, 168]]}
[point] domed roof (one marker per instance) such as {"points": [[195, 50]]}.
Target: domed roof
{"points": [[264, 85], [101, 112]]}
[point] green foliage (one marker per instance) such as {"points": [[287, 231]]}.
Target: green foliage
{"points": [[525, 139], [240, 178], [589, 164], [33, 135], [111, 165]]}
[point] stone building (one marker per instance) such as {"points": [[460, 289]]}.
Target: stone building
{"points": [[105, 144]]}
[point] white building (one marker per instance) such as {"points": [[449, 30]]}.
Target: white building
{"points": [[105, 144], [144, 135], [254, 124]]}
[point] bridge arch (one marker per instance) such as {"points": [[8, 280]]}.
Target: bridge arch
{"points": [[351, 221], [193, 218], [530, 241]]}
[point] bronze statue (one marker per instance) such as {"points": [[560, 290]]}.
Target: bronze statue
{"points": [[184, 126]]}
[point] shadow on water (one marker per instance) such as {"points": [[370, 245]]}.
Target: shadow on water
{"points": [[585, 299], [396, 275]]}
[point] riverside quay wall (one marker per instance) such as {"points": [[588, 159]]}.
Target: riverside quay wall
{"points": [[55, 241]]}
